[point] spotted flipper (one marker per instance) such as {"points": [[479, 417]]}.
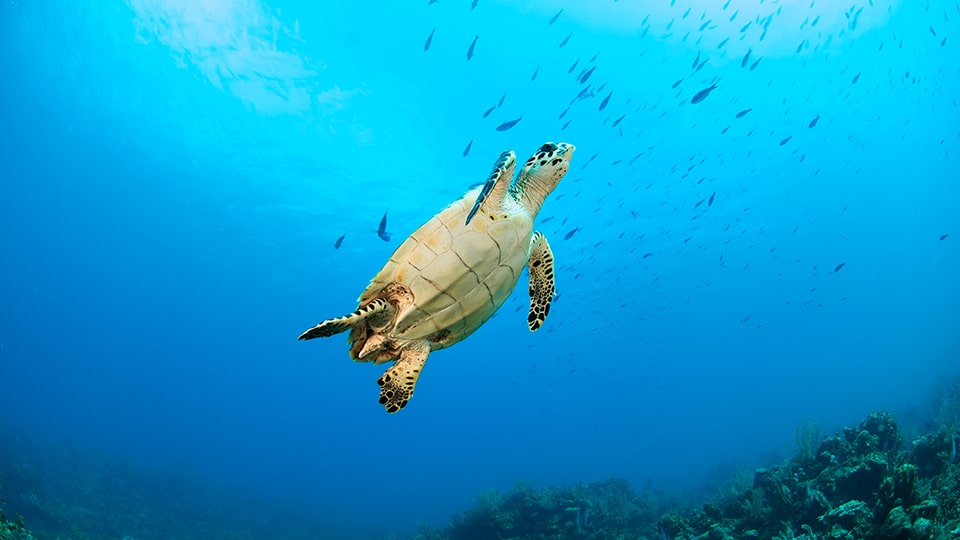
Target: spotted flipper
{"points": [[396, 384], [502, 169], [331, 327], [541, 280]]}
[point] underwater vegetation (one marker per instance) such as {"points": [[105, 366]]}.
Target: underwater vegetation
{"points": [[868, 481], [862, 482]]}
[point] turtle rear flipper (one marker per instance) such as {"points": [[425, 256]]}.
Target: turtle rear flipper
{"points": [[397, 383], [541, 280], [332, 327]]}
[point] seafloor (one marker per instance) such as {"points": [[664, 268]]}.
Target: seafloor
{"points": [[875, 480]]}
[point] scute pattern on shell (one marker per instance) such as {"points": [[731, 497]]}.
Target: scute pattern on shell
{"points": [[459, 274]]}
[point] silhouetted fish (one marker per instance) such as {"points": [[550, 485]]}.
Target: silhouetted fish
{"points": [[566, 39], [855, 79], [618, 120], [503, 97], [839, 267], [710, 202], [473, 45], [702, 95], [555, 17], [722, 43], [466, 151], [426, 45], [570, 234], [382, 229], [339, 242], [944, 236], [695, 61], [813, 123], [746, 58], [490, 110], [508, 124], [574, 66], [603, 104], [743, 113], [473, 4], [753, 66], [534, 77], [676, 84], [586, 75], [785, 141], [594, 57], [564, 113]]}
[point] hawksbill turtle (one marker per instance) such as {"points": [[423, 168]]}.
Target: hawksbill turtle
{"points": [[454, 273]]}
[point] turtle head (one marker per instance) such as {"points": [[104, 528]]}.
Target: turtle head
{"points": [[541, 174]]}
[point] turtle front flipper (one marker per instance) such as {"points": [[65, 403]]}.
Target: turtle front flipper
{"points": [[332, 327], [502, 169], [397, 383], [541, 280]]}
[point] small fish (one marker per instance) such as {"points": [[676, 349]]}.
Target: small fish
{"points": [[574, 66], [555, 17], [382, 229], [746, 59], [785, 141], [566, 39], [503, 97], [647, 254], [564, 113], [944, 236], [855, 79], [473, 5], [676, 84], [603, 104], [744, 27], [466, 151], [706, 24], [753, 66], [722, 43], [339, 242], [594, 57], [473, 45], [702, 95], [743, 113], [618, 120], [701, 65], [490, 110], [564, 126], [426, 45], [570, 234], [710, 202], [696, 60], [534, 77], [586, 74], [508, 124], [813, 123], [839, 267]]}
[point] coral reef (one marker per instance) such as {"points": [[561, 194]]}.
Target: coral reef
{"points": [[860, 483]]}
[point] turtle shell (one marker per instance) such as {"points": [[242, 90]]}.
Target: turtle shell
{"points": [[459, 274]]}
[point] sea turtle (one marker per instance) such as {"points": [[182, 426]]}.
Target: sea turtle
{"points": [[454, 272]]}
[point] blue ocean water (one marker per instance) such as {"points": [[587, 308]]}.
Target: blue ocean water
{"points": [[175, 174]]}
